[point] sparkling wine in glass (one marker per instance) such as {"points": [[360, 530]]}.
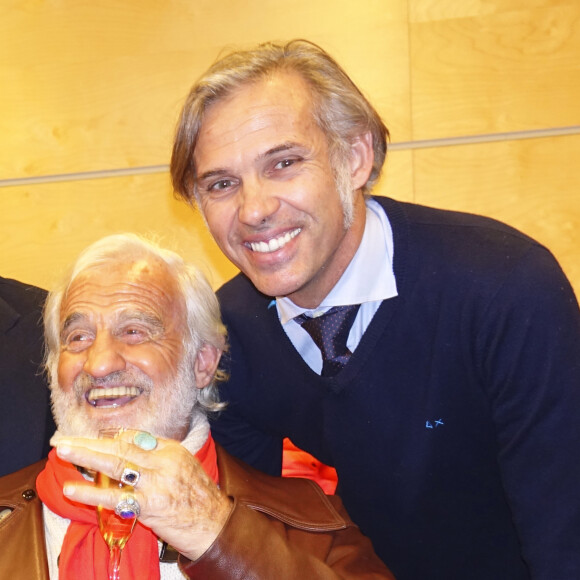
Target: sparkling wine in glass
{"points": [[115, 530]]}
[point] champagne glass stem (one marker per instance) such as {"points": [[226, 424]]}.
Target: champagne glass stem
{"points": [[114, 562]]}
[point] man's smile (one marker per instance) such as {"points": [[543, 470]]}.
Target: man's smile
{"points": [[111, 396], [273, 244]]}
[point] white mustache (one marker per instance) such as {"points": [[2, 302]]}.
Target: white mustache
{"points": [[118, 379]]}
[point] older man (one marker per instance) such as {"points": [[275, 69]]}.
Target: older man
{"points": [[431, 357], [134, 338]]}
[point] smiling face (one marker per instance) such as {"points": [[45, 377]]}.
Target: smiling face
{"points": [[266, 188], [120, 364]]}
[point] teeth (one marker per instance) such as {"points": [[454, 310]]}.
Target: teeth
{"points": [[275, 243], [112, 393]]}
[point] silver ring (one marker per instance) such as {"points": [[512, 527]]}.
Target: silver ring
{"points": [[145, 440], [130, 476], [128, 507]]}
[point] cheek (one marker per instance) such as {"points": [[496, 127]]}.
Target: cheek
{"points": [[219, 218], [157, 363], [68, 369]]}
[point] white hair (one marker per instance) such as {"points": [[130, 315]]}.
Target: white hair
{"points": [[204, 325]]}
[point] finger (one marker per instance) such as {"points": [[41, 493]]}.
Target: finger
{"points": [[75, 448], [125, 441], [88, 494], [102, 461]]}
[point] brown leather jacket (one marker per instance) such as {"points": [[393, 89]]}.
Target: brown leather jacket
{"points": [[279, 528]]}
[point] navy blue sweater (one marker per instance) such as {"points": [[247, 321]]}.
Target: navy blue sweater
{"points": [[455, 426]]}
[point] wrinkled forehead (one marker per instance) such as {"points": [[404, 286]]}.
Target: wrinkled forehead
{"points": [[141, 285]]}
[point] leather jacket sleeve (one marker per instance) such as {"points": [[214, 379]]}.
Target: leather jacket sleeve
{"points": [[257, 545]]}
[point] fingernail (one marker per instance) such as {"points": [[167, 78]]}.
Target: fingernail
{"points": [[68, 490]]}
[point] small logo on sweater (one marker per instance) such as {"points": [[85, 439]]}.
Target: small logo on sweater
{"points": [[434, 424]]}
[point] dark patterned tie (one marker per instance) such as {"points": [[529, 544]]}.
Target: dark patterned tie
{"points": [[330, 333]]}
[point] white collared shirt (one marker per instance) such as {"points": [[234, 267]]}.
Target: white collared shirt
{"points": [[368, 280]]}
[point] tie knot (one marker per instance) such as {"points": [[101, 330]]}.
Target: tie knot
{"points": [[330, 333]]}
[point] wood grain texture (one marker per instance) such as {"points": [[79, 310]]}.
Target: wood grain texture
{"points": [[43, 228], [89, 86], [486, 67]]}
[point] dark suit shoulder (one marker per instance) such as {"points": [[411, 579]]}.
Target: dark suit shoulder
{"points": [[19, 299], [420, 215], [239, 295]]}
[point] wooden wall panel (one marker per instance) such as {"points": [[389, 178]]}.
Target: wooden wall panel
{"points": [[89, 86], [486, 67], [397, 177], [44, 227], [532, 184], [97, 86]]}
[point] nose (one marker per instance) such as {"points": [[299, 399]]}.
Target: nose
{"points": [[258, 202], [103, 356]]}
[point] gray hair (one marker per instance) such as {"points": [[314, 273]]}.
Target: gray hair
{"points": [[339, 108], [204, 324]]}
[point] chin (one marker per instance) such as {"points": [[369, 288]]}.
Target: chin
{"points": [[274, 286], [74, 419], [165, 412]]}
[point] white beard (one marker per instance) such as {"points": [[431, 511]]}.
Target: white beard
{"points": [[170, 412]]}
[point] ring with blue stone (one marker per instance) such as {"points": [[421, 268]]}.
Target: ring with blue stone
{"points": [[128, 507], [145, 440], [130, 476]]}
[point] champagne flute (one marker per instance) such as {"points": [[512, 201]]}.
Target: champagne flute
{"points": [[115, 530]]}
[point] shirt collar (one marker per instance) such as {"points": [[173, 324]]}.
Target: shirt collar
{"points": [[368, 278]]}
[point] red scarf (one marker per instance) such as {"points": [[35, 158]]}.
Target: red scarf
{"points": [[84, 553]]}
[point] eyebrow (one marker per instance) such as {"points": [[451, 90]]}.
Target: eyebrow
{"points": [[71, 319], [278, 149], [146, 317], [212, 173], [125, 316]]}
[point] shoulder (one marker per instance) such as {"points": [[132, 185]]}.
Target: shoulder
{"points": [[240, 301], [240, 291], [14, 484], [21, 296], [459, 245], [449, 222], [19, 300]]}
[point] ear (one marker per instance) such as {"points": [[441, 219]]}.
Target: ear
{"points": [[206, 362], [361, 159]]}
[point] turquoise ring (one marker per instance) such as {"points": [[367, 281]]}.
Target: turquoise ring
{"points": [[145, 440]]}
